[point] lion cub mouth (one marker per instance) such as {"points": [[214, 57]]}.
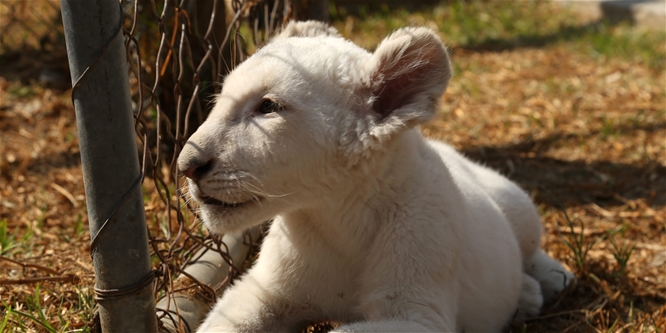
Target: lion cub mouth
{"points": [[208, 200]]}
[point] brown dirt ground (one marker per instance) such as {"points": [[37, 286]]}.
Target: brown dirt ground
{"points": [[585, 137]]}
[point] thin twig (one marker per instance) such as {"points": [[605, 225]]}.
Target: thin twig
{"points": [[556, 314], [66, 193], [65, 278], [26, 265]]}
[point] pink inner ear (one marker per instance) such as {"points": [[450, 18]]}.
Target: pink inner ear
{"points": [[402, 82]]}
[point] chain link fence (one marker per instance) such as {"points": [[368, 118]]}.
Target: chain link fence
{"points": [[178, 51], [173, 84]]}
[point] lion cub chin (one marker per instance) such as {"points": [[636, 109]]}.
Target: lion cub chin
{"points": [[373, 226]]}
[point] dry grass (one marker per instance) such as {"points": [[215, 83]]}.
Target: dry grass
{"points": [[574, 113]]}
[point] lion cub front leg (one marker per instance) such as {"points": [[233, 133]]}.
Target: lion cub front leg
{"points": [[250, 307], [398, 295]]}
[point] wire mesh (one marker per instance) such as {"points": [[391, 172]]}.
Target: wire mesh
{"points": [[173, 84], [178, 51]]}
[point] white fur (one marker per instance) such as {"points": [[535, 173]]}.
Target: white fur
{"points": [[374, 226]]}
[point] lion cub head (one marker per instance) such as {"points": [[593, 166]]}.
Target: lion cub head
{"points": [[305, 118]]}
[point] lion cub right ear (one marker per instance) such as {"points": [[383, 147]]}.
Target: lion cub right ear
{"points": [[307, 29], [408, 74]]}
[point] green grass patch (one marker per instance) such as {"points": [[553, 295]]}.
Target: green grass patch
{"points": [[34, 312], [12, 241], [506, 25]]}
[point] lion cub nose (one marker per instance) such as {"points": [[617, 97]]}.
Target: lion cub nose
{"points": [[194, 169]]}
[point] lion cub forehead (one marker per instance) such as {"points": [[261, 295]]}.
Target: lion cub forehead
{"points": [[305, 57], [306, 47]]}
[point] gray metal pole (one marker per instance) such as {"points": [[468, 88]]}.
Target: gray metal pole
{"points": [[110, 165]]}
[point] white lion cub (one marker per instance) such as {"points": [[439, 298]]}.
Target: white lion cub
{"points": [[374, 226]]}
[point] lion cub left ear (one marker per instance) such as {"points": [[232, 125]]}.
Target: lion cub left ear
{"points": [[307, 29], [408, 74]]}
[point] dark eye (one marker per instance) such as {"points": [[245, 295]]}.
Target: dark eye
{"points": [[268, 106]]}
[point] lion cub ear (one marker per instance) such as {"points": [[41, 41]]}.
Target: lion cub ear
{"points": [[307, 29], [408, 74]]}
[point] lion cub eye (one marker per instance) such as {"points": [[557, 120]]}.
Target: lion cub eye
{"points": [[267, 106]]}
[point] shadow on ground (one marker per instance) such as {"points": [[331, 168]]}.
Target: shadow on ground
{"points": [[565, 33], [571, 183]]}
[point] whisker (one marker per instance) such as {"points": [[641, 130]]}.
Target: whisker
{"points": [[233, 183], [252, 188]]}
